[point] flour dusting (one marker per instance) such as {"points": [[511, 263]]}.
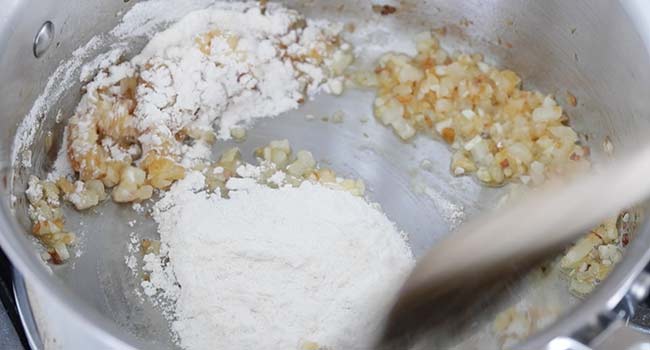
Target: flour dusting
{"points": [[219, 68], [146, 17], [58, 84]]}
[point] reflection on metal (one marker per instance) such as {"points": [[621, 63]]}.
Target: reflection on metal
{"points": [[43, 39], [25, 312], [620, 335]]}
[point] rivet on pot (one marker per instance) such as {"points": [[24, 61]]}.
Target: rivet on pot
{"points": [[43, 39]]}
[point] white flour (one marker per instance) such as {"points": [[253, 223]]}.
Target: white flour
{"points": [[61, 166], [146, 17], [57, 84], [452, 213], [222, 66], [284, 268]]}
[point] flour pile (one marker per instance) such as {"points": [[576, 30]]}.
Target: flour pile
{"points": [[305, 267]]}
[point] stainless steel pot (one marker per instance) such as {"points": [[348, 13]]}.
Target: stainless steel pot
{"points": [[595, 49]]}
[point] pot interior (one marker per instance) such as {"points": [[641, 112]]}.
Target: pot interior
{"points": [[555, 46]]}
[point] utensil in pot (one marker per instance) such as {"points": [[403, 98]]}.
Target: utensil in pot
{"points": [[556, 45], [500, 245]]}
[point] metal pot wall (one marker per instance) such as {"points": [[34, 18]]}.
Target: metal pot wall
{"points": [[595, 49]]}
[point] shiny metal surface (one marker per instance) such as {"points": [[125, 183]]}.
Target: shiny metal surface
{"points": [[43, 39], [589, 47], [26, 313], [621, 336]]}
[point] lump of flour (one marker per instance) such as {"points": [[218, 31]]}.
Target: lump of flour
{"points": [[304, 267]]}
